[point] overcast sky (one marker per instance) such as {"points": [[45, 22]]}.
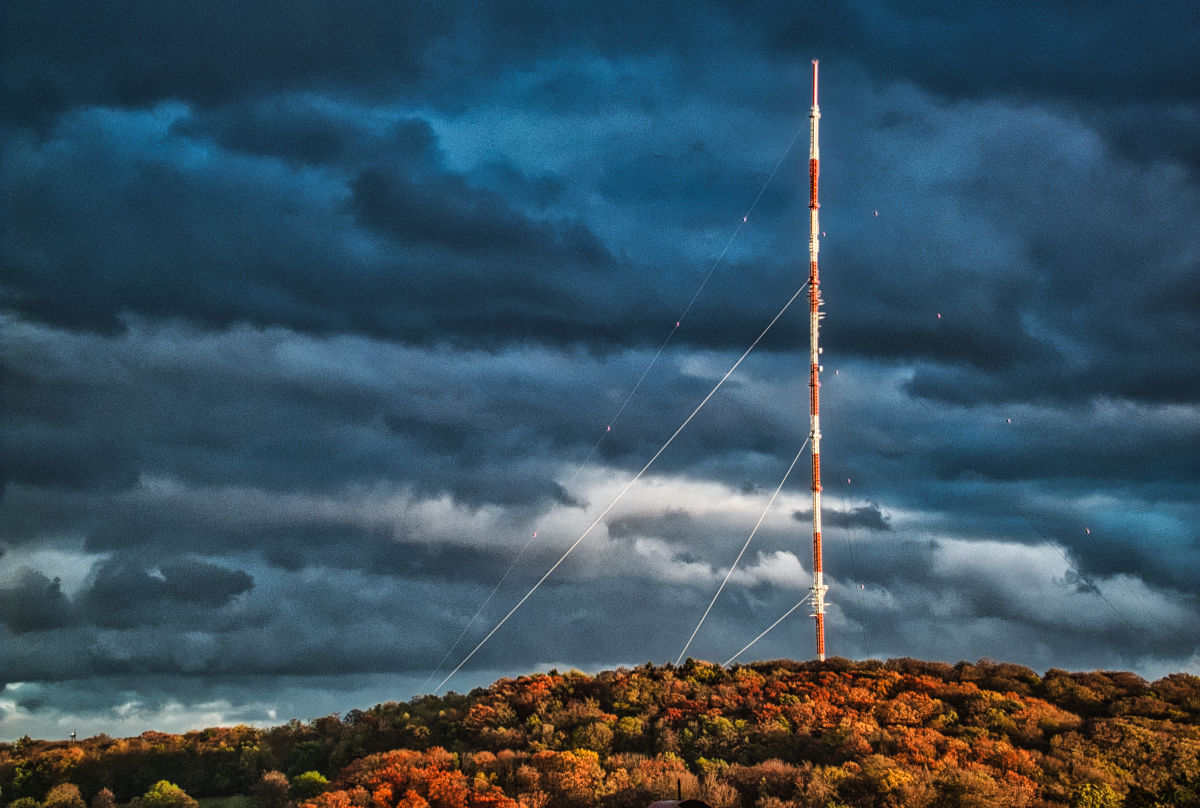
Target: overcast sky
{"points": [[315, 313]]}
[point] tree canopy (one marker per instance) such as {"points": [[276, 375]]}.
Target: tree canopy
{"points": [[767, 735]]}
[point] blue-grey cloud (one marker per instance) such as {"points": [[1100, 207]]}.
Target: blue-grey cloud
{"points": [[328, 329], [127, 593], [30, 601], [868, 517]]}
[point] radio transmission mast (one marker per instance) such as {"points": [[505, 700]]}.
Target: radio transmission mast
{"points": [[814, 383]]}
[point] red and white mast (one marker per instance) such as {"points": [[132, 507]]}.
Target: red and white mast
{"points": [[814, 318]]}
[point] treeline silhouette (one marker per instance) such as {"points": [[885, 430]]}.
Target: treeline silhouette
{"points": [[779, 734]]}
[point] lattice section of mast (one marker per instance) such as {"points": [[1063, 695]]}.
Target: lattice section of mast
{"points": [[814, 319]]}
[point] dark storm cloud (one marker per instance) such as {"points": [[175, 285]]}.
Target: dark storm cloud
{"points": [[290, 532], [300, 128], [193, 581], [379, 624], [127, 593], [1033, 593], [1064, 442], [867, 516], [277, 412], [466, 262], [30, 601], [691, 173], [271, 413], [1150, 133], [294, 548], [1107, 551], [1118, 51], [210, 51], [1090, 514], [252, 241], [995, 256], [60, 55], [451, 215], [672, 525]]}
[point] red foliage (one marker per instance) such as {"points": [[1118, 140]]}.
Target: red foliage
{"points": [[410, 779]]}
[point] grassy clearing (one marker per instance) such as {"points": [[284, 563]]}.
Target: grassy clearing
{"points": [[226, 802]]}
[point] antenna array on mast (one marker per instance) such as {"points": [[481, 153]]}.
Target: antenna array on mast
{"points": [[814, 318]]}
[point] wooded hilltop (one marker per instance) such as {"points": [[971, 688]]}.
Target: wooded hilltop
{"points": [[779, 734]]}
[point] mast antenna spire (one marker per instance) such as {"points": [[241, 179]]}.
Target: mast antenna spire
{"points": [[814, 383]]}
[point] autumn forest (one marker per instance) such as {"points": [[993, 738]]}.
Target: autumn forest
{"points": [[777, 734]]}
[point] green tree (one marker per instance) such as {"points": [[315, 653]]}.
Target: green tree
{"points": [[1096, 795], [24, 802], [164, 794], [308, 785]]}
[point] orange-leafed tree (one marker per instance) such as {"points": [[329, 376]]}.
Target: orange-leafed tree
{"points": [[411, 779]]}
